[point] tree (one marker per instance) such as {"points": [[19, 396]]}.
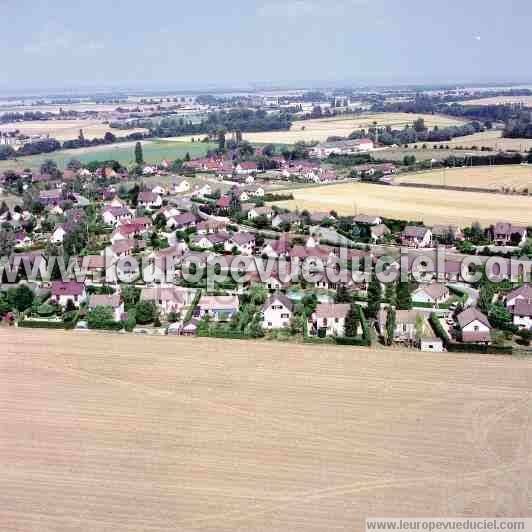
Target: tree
{"points": [[499, 316], [145, 312], [403, 295], [139, 157], [389, 294], [81, 138], [74, 165], [20, 297], [49, 167], [130, 295], [374, 296], [342, 294], [351, 321], [101, 317], [221, 140], [391, 321]]}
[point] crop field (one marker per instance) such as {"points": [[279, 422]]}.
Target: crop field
{"points": [[66, 129], [343, 126], [516, 177], [430, 206], [154, 151], [121, 433]]}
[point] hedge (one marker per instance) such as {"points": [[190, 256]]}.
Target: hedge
{"points": [[218, 333], [366, 334], [37, 324]]}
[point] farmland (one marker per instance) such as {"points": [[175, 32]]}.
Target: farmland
{"points": [[490, 139], [321, 129], [501, 100], [154, 151], [492, 177], [108, 432], [66, 129], [430, 206]]}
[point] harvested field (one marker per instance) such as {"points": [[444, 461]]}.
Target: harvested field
{"points": [[501, 100], [489, 139], [491, 177], [430, 206], [123, 434], [321, 129], [66, 129]]}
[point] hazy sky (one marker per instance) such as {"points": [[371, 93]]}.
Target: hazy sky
{"points": [[183, 43]]}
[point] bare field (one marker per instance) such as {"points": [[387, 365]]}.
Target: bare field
{"points": [[121, 433], [321, 129], [66, 129], [493, 177], [501, 100], [431, 206], [490, 139]]}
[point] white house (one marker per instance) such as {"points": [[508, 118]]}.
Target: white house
{"points": [[149, 200], [329, 319], [159, 190], [218, 308], [416, 236], [431, 345], [243, 242], [116, 215], [72, 291], [435, 294], [522, 313], [277, 312], [168, 299], [522, 293], [180, 186], [58, 234], [255, 212], [475, 326]]}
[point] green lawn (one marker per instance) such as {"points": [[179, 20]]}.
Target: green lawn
{"points": [[154, 151]]}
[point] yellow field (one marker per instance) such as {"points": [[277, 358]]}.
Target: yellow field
{"points": [[66, 129], [490, 139], [343, 126], [493, 177], [431, 206], [126, 434], [500, 100]]}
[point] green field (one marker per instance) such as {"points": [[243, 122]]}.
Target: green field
{"points": [[154, 151]]}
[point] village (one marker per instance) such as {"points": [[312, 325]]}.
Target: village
{"points": [[220, 208]]}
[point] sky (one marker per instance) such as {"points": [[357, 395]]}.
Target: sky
{"points": [[182, 44]]}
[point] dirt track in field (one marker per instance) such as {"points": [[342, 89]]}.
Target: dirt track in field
{"points": [[124, 433]]}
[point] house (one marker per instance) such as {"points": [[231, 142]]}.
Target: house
{"points": [[288, 218], [224, 203], [378, 232], [243, 242], [149, 200], [124, 248], [341, 147], [329, 319], [72, 291], [22, 239], [505, 234], [367, 219], [181, 221], [104, 300], [431, 345], [410, 325], [475, 326], [50, 197], [159, 190], [255, 191], [168, 299], [523, 293], [416, 236], [128, 231], [277, 312], [204, 190], [276, 248], [209, 241], [246, 167], [434, 294], [447, 233], [211, 226], [321, 217], [60, 232], [190, 328], [115, 215], [522, 313], [180, 186], [218, 308], [256, 212]]}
